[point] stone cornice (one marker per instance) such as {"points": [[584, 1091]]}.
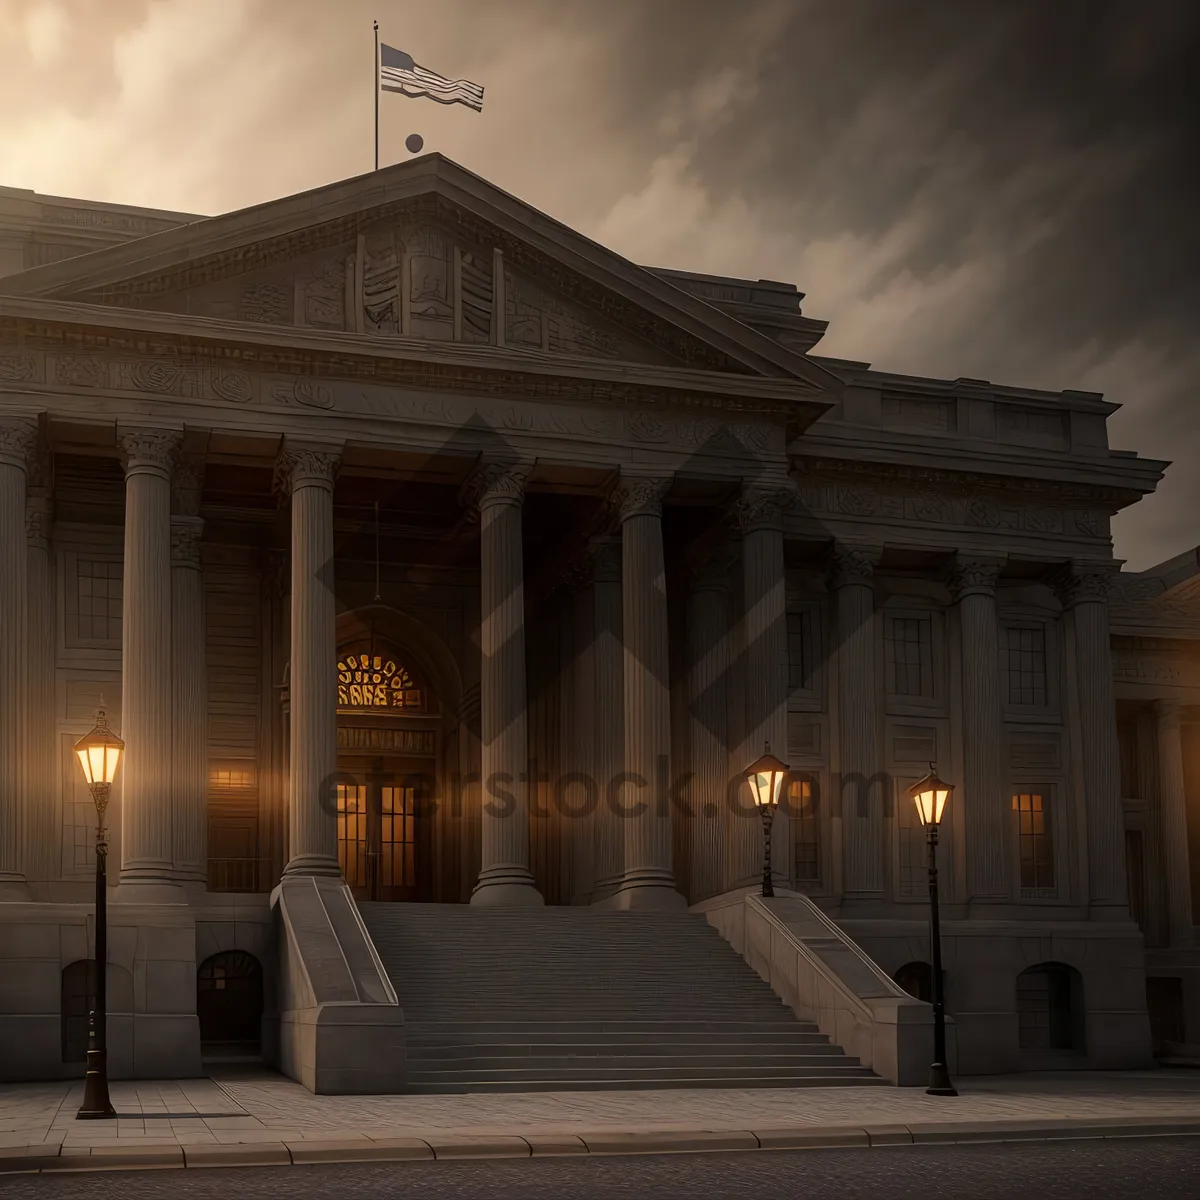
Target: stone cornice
{"points": [[168, 342]]}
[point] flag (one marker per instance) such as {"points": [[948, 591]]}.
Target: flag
{"points": [[398, 73]]}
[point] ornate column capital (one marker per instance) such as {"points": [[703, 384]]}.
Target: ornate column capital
{"points": [[495, 482], [712, 575], [18, 441], [604, 556], [185, 541], [640, 495], [974, 575], [306, 466], [853, 565], [762, 507], [149, 451], [39, 520], [187, 484], [1168, 714], [1084, 582]]}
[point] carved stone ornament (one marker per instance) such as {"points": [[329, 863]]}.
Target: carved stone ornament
{"points": [[852, 566], [187, 484], [1085, 583], [39, 521], [185, 541], [18, 441], [974, 576], [640, 497], [149, 450], [1168, 714], [762, 508], [495, 483], [305, 466]]}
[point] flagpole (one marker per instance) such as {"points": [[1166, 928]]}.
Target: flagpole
{"points": [[375, 67]]}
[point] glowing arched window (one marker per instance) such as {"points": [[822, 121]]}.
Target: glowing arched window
{"points": [[375, 682]]}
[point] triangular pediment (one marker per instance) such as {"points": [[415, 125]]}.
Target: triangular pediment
{"points": [[423, 250]]}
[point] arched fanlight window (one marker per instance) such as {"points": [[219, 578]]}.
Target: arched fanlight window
{"points": [[373, 681]]}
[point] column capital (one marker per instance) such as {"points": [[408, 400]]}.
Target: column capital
{"points": [[762, 507], [640, 495], [187, 484], [18, 441], [851, 564], [299, 466], [1168, 714], [495, 481], [149, 451], [1084, 582], [712, 575], [604, 555], [185, 541], [39, 519], [974, 574]]}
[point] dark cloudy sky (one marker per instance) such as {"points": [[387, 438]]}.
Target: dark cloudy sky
{"points": [[1004, 189]]}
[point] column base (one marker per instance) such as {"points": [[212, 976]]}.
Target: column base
{"points": [[306, 865], [508, 885], [14, 889], [648, 893], [147, 891]]}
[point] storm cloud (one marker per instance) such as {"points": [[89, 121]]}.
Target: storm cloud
{"points": [[1003, 189]]}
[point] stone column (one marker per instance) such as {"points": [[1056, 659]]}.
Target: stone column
{"points": [[18, 440], [710, 649], [41, 749], [1172, 808], [759, 514], [861, 785], [307, 475], [986, 805], [1084, 592], [498, 489], [608, 732], [147, 837], [648, 881], [189, 709]]}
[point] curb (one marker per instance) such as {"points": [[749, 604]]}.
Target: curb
{"points": [[42, 1157]]}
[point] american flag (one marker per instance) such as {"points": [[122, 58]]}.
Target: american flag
{"points": [[398, 73]]}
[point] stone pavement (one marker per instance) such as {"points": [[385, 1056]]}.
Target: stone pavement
{"points": [[254, 1117]]}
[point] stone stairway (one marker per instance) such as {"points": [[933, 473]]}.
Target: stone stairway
{"points": [[570, 999]]}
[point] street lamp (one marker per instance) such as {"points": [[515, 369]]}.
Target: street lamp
{"points": [[766, 779], [99, 755], [930, 795]]}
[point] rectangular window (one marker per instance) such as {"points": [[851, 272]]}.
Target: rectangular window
{"points": [[1036, 845], [800, 651], [912, 875], [802, 798], [98, 593], [1025, 665], [910, 657]]}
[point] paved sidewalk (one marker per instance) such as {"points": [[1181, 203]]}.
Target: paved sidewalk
{"points": [[258, 1118]]}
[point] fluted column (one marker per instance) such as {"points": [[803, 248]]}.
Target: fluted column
{"points": [[989, 828], [189, 709], [147, 838], [759, 513], [498, 489], [608, 732], [647, 880], [18, 440], [710, 652], [41, 751], [307, 475], [1084, 592], [861, 790], [1172, 808]]}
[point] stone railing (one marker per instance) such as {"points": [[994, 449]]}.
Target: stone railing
{"points": [[826, 978]]}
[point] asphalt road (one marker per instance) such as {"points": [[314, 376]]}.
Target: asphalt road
{"points": [[1167, 1169]]}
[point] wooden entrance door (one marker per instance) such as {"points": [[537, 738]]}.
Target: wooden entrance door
{"points": [[382, 832]]}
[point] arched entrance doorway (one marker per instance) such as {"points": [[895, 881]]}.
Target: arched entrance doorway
{"points": [[229, 1004], [389, 727]]}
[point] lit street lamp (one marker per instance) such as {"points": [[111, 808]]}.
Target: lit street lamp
{"points": [[766, 779], [99, 754], [930, 795]]}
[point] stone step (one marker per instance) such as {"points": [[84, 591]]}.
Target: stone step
{"points": [[649, 1028], [588, 1054]]}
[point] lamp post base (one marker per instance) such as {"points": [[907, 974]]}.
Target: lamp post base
{"points": [[96, 1104], [939, 1081]]}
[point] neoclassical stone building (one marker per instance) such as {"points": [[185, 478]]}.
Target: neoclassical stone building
{"points": [[417, 544]]}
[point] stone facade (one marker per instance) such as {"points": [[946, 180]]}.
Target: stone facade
{"points": [[414, 542]]}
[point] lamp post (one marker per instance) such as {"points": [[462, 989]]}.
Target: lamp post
{"points": [[766, 779], [99, 754], [930, 795]]}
